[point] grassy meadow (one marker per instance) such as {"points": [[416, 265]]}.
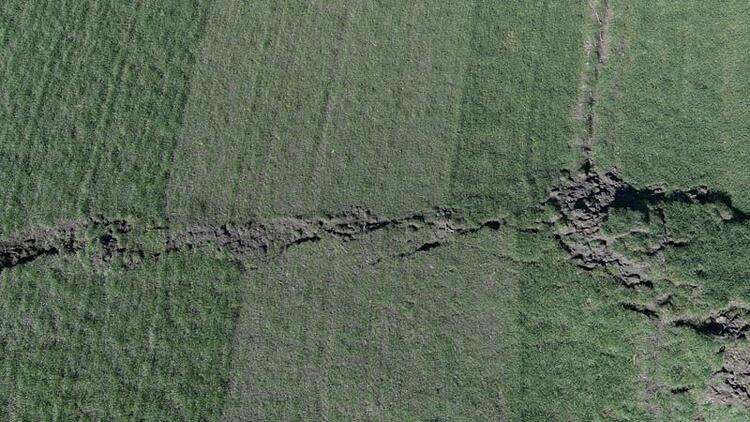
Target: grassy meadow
{"points": [[147, 344], [198, 114], [314, 106], [671, 107], [336, 331], [93, 94]]}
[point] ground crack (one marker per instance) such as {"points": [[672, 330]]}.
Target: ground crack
{"points": [[731, 322], [112, 238], [731, 384], [584, 202]]}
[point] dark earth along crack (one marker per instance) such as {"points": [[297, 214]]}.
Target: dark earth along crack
{"points": [[112, 237], [733, 322], [584, 202]]}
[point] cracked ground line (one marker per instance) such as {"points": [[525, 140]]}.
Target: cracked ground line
{"points": [[584, 199], [596, 44], [263, 237], [730, 384], [584, 203]]}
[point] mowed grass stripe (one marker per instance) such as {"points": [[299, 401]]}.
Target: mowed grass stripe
{"points": [[92, 101], [517, 129], [325, 334], [22, 104], [308, 107], [673, 109], [395, 112], [222, 145], [147, 344]]}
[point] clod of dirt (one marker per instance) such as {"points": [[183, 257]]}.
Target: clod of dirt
{"points": [[110, 245], [67, 237], [263, 237], [731, 384], [585, 198], [352, 222], [584, 201], [651, 310], [731, 322], [27, 247]]}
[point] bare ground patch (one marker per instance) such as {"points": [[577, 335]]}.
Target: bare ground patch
{"points": [[113, 239], [730, 385]]}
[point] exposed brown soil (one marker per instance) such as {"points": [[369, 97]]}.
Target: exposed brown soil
{"points": [[67, 237], [731, 384], [603, 18], [731, 322], [276, 235], [584, 201], [650, 310]]}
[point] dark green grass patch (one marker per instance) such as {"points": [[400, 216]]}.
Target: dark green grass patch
{"points": [[517, 130], [672, 103], [92, 96], [149, 344]]}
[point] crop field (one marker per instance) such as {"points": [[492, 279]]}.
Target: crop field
{"points": [[342, 210], [672, 109], [397, 107]]}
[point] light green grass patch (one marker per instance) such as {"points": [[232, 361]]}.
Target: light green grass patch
{"points": [[308, 107], [344, 331], [92, 96], [149, 344]]}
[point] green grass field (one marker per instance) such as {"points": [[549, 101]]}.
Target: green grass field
{"points": [[672, 108], [180, 237], [148, 344], [93, 96]]}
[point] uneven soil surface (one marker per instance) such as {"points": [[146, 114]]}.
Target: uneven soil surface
{"points": [[439, 224], [582, 205], [607, 222], [731, 384]]}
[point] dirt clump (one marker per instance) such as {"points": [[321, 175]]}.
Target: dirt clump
{"points": [[113, 238], [730, 385], [731, 322], [66, 237], [650, 310], [27, 247], [584, 201]]}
